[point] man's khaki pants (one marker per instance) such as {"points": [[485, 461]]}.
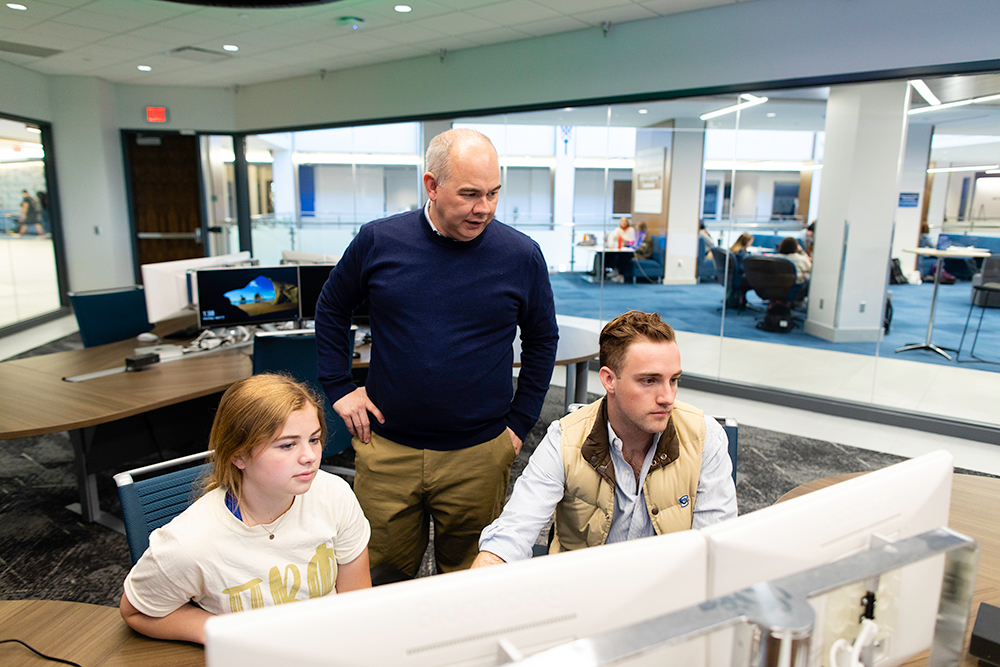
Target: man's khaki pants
{"points": [[463, 491]]}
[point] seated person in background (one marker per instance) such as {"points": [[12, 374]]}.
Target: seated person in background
{"points": [[621, 236], [633, 464], [643, 243], [925, 236], [810, 238], [740, 249], [270, 528], [792, 251], [703, 233]]}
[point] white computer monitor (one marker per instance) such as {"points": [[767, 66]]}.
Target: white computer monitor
{"points": [[900, 501], [459, 618], [166, 283]]}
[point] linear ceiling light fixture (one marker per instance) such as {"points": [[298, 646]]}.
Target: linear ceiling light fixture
{"points": [[925, 92], [749, 101], [978, 167], [959, 103]]}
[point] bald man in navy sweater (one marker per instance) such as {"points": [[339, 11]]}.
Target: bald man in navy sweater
{"points": [[437, 424]]}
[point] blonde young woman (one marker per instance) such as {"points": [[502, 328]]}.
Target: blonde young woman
{"points": [[271, 527]]}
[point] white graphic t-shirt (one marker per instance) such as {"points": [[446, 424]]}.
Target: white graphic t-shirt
{"points": [[209, 556]]}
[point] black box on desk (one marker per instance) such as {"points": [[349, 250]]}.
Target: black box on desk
{"points": [[985, 643]]}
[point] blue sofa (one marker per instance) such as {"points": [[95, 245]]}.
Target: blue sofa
{"points": [[651, 270]]}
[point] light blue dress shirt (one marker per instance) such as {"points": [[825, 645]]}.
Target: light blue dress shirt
{"points": [[540, 488]]}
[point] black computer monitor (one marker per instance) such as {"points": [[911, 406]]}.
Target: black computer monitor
{"points": [[250, 295], [312, 277]]}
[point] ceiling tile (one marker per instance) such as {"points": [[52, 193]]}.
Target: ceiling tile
{"points": [[464, 5], [163, 35], [137, 47], [202, 26], [406, 34], [70, 33], [573, 7], [665, 7], [513, 11], [497, 35], [18, 59], [86, 19], [550, 26], [616, 14], [148, 10], [455, 24], [303, 30]]}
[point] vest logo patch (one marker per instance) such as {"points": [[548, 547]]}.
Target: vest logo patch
{"points": [[684, 500]]}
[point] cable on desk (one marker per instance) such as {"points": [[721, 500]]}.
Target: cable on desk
{"points": [[39, 653]]}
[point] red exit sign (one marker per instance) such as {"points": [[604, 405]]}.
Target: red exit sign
{"points": [[156, 114]]}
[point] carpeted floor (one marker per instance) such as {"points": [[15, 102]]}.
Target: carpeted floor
{"points": [[46, 552], [694, 308]]}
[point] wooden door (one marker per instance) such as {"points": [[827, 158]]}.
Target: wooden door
{"points": [[165, 196]]}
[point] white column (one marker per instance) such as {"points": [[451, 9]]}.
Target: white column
{"points": [[565, 176], [865, 134], [681, 263], [284, 178], [911, 181]]}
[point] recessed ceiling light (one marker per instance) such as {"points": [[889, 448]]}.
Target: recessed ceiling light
{"points": [[14, 5], [567, 108], [144, 68], [643, 110], [771, 115], [230, 47], [403, 9], [33, 129]]}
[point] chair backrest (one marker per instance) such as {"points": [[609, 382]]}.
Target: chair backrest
{"points": [[771, 277], [153, 501], [721, 257], [991, 269], [108, 316], [295, 353]]}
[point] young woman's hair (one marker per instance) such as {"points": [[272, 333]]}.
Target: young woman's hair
{"points": [[742, 242], [250, 413], [788, 246], [642, 227], [627, 328]]}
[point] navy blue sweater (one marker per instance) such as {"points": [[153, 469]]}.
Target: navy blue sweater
{"points": [[443, 317]]}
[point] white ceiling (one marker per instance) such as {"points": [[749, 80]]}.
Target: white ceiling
{"points": [[109, 39]]}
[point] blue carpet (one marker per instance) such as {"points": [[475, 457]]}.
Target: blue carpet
{"points": [[693, 308]]}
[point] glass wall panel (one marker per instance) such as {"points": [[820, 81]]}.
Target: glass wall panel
{"points": [[29, 285]]}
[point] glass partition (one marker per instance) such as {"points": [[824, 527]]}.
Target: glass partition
{"points": [[29, 282], [773, 217]]}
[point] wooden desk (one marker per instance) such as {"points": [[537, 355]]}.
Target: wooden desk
{"points": [[975, 504], [37, 400], [941, 255], [88, 634]]}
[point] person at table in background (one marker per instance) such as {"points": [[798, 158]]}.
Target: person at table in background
{"points": [[621, 236], [31, 213], [448, 287], [270, 527], [740, 250], [633, 464], [643, 243], [704, 234], [790, 249], [810, 238]]}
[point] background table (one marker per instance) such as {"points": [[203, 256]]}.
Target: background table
{"points": [[941, 255], [975, 504], [88, 634]]}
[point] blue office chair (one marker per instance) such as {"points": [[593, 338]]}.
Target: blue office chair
{"points": [[150, 503], [294, 352], [108, 316]]}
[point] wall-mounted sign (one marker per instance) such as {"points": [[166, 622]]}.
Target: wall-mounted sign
{"points": [[908, 199], [156, 114], [649, 177]]}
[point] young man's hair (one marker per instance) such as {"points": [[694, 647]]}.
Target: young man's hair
{"points": [[628, 328], [439, 152], [250, 414]]}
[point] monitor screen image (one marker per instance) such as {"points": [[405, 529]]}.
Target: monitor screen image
{"points": [[312, 277], [896, 502], [166, 285], [251, 295], [461, 618]]}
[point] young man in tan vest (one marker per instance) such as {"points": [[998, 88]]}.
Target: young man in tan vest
{"points": [[633, 464]]}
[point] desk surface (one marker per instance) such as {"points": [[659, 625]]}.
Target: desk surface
{"points": [[38, 401], [975, 504], [87, 634]]}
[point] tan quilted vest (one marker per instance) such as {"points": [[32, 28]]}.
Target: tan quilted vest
{"points": [[583, 517]]}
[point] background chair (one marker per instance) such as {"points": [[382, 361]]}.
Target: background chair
{"points": [[150, 503], [108, 316], [727, 273], [983, 293], [984, 298], [651, 269], [294, 352]]}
